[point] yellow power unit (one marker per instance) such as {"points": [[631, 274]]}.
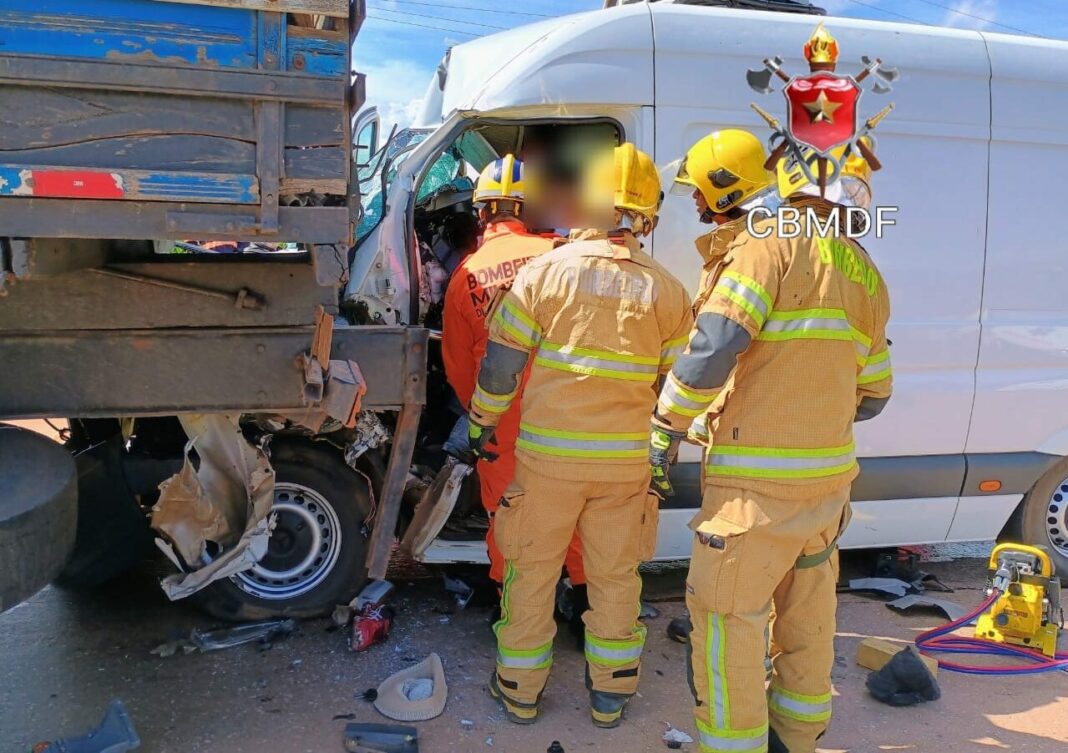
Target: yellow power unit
{"points": [[1028, 610]]}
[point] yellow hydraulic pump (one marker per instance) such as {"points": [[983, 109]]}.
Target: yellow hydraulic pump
{"points": [[1028, 610]]}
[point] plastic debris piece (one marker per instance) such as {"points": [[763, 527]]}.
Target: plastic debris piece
{"points": [[912, 601], [371, 626], [347, 717], [649, 611], [370, 695], [467, 723], [460, 590], [903, 681], [676, 738], [114, 734], [216, 640], [381, 738], [891, 586]]}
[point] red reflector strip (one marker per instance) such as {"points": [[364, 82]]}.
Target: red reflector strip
{"points": [[77, 184]]}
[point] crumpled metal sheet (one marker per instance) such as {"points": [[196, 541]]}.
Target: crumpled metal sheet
{"points": [[231, 491], [949, 609]]}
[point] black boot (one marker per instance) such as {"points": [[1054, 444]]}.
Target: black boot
{"points": [[606, 709], [580, 604], [679, 629]]}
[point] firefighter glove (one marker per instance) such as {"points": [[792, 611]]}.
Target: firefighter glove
{"points": [[479, 437], [663, 447]]}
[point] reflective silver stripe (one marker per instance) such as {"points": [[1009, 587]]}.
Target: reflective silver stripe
{"points": [[671, 353], [716, 673], [798, 709], [590, 441], [613, 656], [525, 659], [806, 325], [876, 366], [771, 462], [744, 291], [713, 740], [492, 403], [672, 399], [593, 364]]}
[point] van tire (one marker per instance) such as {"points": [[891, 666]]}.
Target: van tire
{"points": [[315, 478], [1043, 519]]}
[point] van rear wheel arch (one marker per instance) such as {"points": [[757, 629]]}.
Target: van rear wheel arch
{"points": [[1041, 519]]}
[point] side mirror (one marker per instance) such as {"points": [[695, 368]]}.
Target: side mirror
{"points": [[365, 137]]}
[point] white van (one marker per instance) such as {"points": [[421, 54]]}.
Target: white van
{"points": [[973, 443]]}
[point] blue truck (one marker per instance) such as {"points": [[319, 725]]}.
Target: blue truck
{"points": [[137, 139]]}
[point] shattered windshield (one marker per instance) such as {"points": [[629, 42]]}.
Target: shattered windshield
{"points": [[389, 158]]}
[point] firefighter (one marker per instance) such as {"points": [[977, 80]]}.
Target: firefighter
{"points": [[790, 350], [480, 278], [603, 322]]}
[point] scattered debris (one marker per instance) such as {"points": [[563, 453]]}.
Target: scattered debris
{"points": [[904, 681], [371, 626], [874, 653], [904, 565], [459, 589], [675, 738], [373, 594], [348, 717], [649, 612], [416, 693], [114, 734], [913, 601], [467, 723], [369, 695], [489, 741], [216, 640], [891, 586], [556, 747], [380, 738]]}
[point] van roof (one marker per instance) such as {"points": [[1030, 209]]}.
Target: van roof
{"points": [[577, 58]]}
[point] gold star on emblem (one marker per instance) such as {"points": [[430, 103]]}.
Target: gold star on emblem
{"points": [[822, 109]]}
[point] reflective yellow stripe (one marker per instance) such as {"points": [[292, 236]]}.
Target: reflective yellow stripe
{"points": [[610, 653], [682, 400], [746, 293], [715, 659], [803, 708], [774, 462], [583, 444], [518, 324], [487, 402], [602, 363], [672, 350], [876, 368], [720, 740]]}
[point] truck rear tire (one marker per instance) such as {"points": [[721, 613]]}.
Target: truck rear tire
{"points": [[113, 533], [1043, 516], [38, 512], [315, 559]]}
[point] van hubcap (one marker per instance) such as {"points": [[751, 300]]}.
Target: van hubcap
{"points": [[1057, 518], [303, 549]]}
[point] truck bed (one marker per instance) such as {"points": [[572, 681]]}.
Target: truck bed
{"points": [[176, 118]]}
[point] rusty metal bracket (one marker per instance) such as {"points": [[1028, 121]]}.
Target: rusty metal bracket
{"points": [[242, 299]]}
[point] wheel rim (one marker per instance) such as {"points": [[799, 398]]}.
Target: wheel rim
{"points": [[303, 549], [1057, 518]]}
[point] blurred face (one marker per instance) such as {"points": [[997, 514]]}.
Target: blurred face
{"points": [[699, 199]]}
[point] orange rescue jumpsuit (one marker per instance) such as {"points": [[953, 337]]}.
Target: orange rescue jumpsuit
{"points": [[474, 287]]}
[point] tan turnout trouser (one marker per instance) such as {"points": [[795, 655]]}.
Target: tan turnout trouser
{"points": [[538, 516], [748, 550]]}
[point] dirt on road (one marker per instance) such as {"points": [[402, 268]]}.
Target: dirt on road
{"points": [[64, 656]]}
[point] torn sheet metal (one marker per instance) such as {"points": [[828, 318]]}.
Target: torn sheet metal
{"points": [[231, 491], [434, 507], [890, 586], [264, 633], [948, 608]]}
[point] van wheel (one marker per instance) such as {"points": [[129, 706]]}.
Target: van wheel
{"points": [[315, 558], [1044, 516]]}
